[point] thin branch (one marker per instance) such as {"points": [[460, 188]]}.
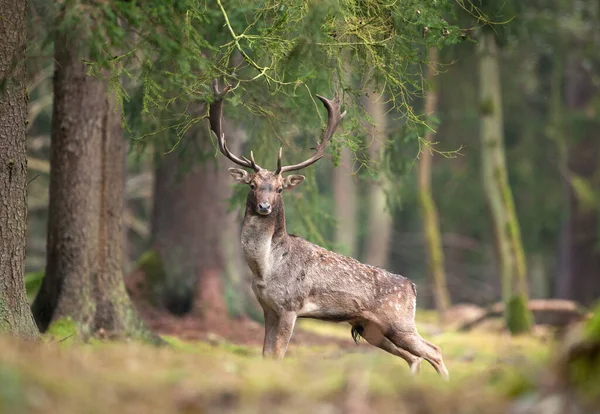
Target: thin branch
{"points": [[30, 181]]}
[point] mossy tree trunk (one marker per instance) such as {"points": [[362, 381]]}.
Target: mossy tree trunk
{"points": [[379, 220], [497, 190], [429, 214], [15, 315], [195, 237], [344, 194], [84, 280]]}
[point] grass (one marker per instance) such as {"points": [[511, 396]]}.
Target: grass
{"points": [[487, 372]]}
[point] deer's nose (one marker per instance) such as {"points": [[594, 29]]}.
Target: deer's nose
{"points": [[264, 206]]}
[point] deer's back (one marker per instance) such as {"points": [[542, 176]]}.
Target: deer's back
{"points": [[335, 268], [343, 286]]}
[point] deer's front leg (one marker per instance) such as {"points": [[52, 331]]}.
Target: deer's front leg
{"points": [[271, 320], [285, 327]]}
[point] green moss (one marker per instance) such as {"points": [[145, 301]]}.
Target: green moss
{"points": [[175, 342], [514, 233], [592, 327], [64, 330], [518, 317], [128, 320], [584, 373], [238, 349], [152, 265], [588, 197], [155, 275], [486, 107], [434, 250], [584, 364], [132, 376]]}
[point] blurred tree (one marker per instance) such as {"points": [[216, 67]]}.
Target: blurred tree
{"points": [[15, 316], [429, 214], [509, 246], [344, 194], [379, 220], [579, 280], [275, 54], [288, 49], [84, 279], [191, 231]]}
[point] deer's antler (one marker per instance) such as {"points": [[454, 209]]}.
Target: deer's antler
{"points": [[215, 116], [334, 118]]}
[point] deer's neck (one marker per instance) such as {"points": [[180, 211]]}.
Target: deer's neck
{"points": [[260, 237]]}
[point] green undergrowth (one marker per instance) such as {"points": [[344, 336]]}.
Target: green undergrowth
{"points": [[33, 282], [59, 376], [583, 361], [62, 330], [519, 319], [155, 276]]}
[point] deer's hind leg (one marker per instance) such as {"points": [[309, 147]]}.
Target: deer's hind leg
{"points": [[374, 336], [411, 341]]}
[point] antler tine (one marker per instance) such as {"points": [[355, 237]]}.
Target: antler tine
{"points": [[278, 170], [254, 164], [215, 116], [334, 118]]}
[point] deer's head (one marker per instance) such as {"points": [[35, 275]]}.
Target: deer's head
{"points": [[266, 187]]}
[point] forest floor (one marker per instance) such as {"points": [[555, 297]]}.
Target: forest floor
{"points": [[324, 372]]}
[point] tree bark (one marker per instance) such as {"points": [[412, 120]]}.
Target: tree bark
{"points": [[497, 190], [379, 220], [344, 194], [196, 239], [84, 280], [187, 220], [429, 214], [15, 315]]}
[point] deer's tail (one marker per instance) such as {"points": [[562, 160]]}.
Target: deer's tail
{"points": [[356, 332]]}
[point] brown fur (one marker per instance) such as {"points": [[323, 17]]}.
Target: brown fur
{"points": [[293, 278]]}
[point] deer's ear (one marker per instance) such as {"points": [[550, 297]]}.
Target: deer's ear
{"points": [[293, 181], [239, 175]]}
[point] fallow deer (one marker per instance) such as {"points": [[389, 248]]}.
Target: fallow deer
{"points": [[293, 278]]}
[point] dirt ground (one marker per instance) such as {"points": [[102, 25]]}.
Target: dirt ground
{"points": [[193, 327], [241, 331]]}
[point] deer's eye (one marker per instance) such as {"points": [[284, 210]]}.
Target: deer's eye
{"points": [[280, 189], [252, 187]]}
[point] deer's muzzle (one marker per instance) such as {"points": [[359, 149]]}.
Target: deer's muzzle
{"points": [[264, 208]]}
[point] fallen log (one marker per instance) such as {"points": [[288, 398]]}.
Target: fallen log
{"points": [[553, 312]]}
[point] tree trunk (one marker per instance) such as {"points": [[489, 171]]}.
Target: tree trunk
{"points": [[344, 193], [555, 132], [84, 280], [379, 222], [15, 315], [192, 232], [538, 276], [579, 279], [498, 193], [429, 214]]}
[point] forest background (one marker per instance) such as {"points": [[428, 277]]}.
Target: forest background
{"points": [[468, 161]]}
